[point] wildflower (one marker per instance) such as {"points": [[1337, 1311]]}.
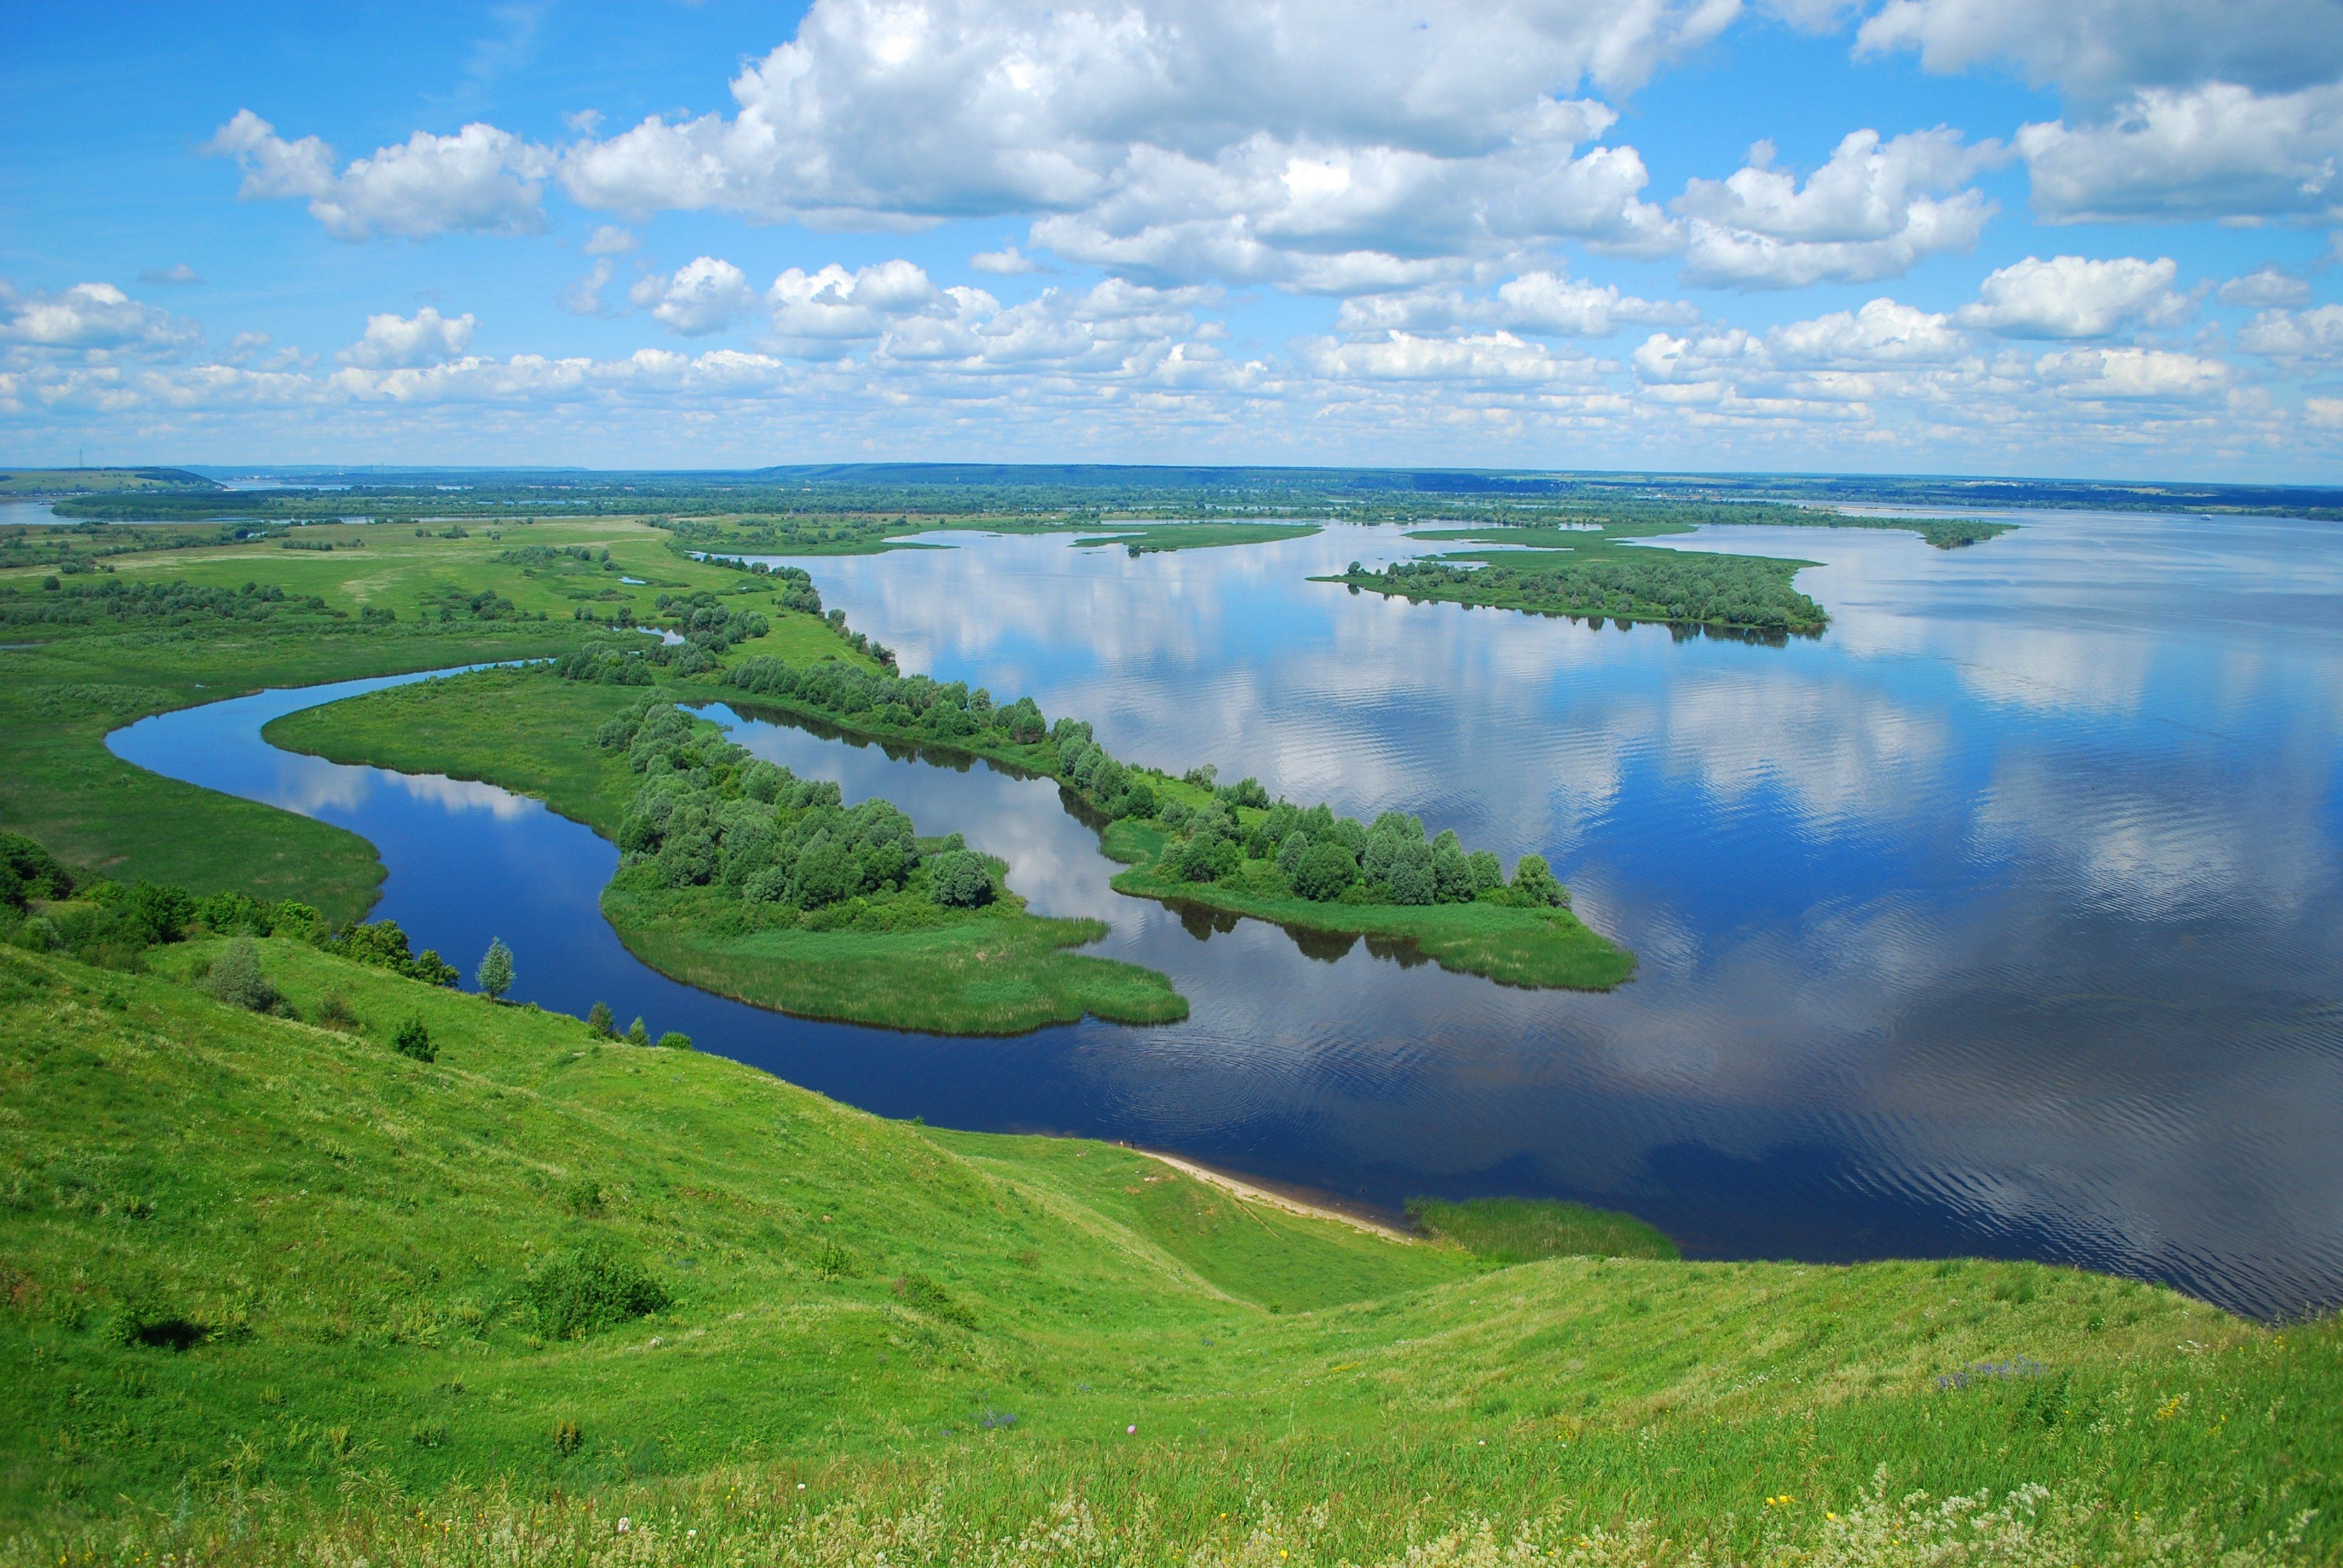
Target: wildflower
{"points": [[1132, 1431], [624, 1524]]}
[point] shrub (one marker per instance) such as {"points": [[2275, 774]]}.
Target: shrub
{"points": [[333, 1012], [235, 978], [147, 1318], [28, 871], [568, 1437], [161, 912], [590, 1288], [414, 1040], [675, 1039]]}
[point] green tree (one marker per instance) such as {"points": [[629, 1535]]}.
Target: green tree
{"points": [[1325, 872], [494, 975], [636, 1034], [235, 978], [599, 1019], [1534, 884], [960, 881]]}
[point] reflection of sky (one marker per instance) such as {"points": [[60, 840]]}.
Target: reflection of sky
{"points": [[2001, 918]]}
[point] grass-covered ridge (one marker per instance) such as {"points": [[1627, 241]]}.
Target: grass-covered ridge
{"points": [[737, 878], [408, 1306]]}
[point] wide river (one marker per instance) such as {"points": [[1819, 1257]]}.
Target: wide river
{"points": [[2004, 918]]}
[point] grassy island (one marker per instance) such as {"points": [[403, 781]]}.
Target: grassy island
{"points": [[739, 878], [333, 1263], [1193, 841]]}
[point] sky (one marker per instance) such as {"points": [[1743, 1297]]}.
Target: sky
{"points": [[2100, 238]]}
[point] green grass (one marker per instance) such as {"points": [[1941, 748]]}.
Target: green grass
{"points": [[999, 971], [351, 1233], [1520, 1230], [1523, 947], [60, 696]]}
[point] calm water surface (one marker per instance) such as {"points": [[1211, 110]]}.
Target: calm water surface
{"points": [[2004, 918]]}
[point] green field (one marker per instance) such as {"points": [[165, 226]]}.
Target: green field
{"points": [[277, 1293], [1155, 538]]}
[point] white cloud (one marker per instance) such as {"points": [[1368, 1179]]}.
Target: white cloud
{"points": [[2297, 335], [583, 296], [1882, 332], [610, 239], [1006, 262], [2070, 297], [2108, 47], [2268, 285], [177, 276], [1874, 210], [2326, 413], [480, 179], [1542, 302], [2218, 150], [837, 305], [1483, 358], [706, 294], [2132, 373], [91, 315], [426, 337]]}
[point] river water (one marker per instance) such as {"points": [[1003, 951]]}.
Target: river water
{"points": [[2004, 918]]}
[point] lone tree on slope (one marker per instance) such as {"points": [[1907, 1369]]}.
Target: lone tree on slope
{"points": [[494, 975]]}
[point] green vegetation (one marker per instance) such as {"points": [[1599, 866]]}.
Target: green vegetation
{"points": [[1161, 536], [97, 482], [281, 1292], [1594, 572], [1230, 848], [738, 877], [1522, 1230], [193, 615]]}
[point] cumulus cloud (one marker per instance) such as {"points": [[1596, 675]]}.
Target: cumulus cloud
{"points": [[2129, 373], [2070, 297], [91, 315], [2109, 47], [1543, 304], [2298, 337], [1874, 210], [704, 296], [2218, 150], [426, 337], [481, 179], [836, 304], [1006, 262], [1884, 332], [1485, 359], [2268, 285]]}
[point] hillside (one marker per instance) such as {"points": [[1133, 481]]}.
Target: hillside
{"points": [[276, 1291]]}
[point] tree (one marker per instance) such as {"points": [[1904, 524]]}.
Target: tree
{"points": [[494, 975], [636, 1034], [1325, 872], [960, 881], [235, 978], [1534, 884], [599, 1019]]}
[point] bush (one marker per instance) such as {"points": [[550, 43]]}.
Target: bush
{"points": [[675, 1039], [333, 1012], [413, 1038], [27, 872], [235, 978], [161, 912], [590, 1288]]}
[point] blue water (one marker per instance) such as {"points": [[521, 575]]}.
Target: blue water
{"points": [[2003, 917]]}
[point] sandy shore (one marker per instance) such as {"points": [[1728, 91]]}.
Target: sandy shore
{"points": [[1255, 1194]]}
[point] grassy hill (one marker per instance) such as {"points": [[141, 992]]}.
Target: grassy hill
{"points": [[275, 1292]]}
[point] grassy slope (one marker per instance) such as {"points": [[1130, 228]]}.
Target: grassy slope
{"points": [[1002, 973], [58, 700], [1154, 538], [358, 1222]]}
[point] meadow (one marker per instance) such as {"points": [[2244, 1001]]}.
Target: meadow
{"points": [[277, 1291]]}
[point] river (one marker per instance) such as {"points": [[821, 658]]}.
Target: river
{"points": [[2002, 918]]}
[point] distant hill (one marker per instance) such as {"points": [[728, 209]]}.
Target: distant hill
{"points": [[90, 481]]}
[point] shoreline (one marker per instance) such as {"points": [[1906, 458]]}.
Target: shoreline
{"points": [[1251, 1190]]}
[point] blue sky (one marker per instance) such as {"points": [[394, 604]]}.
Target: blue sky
{"points": [[1972, 235]]}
